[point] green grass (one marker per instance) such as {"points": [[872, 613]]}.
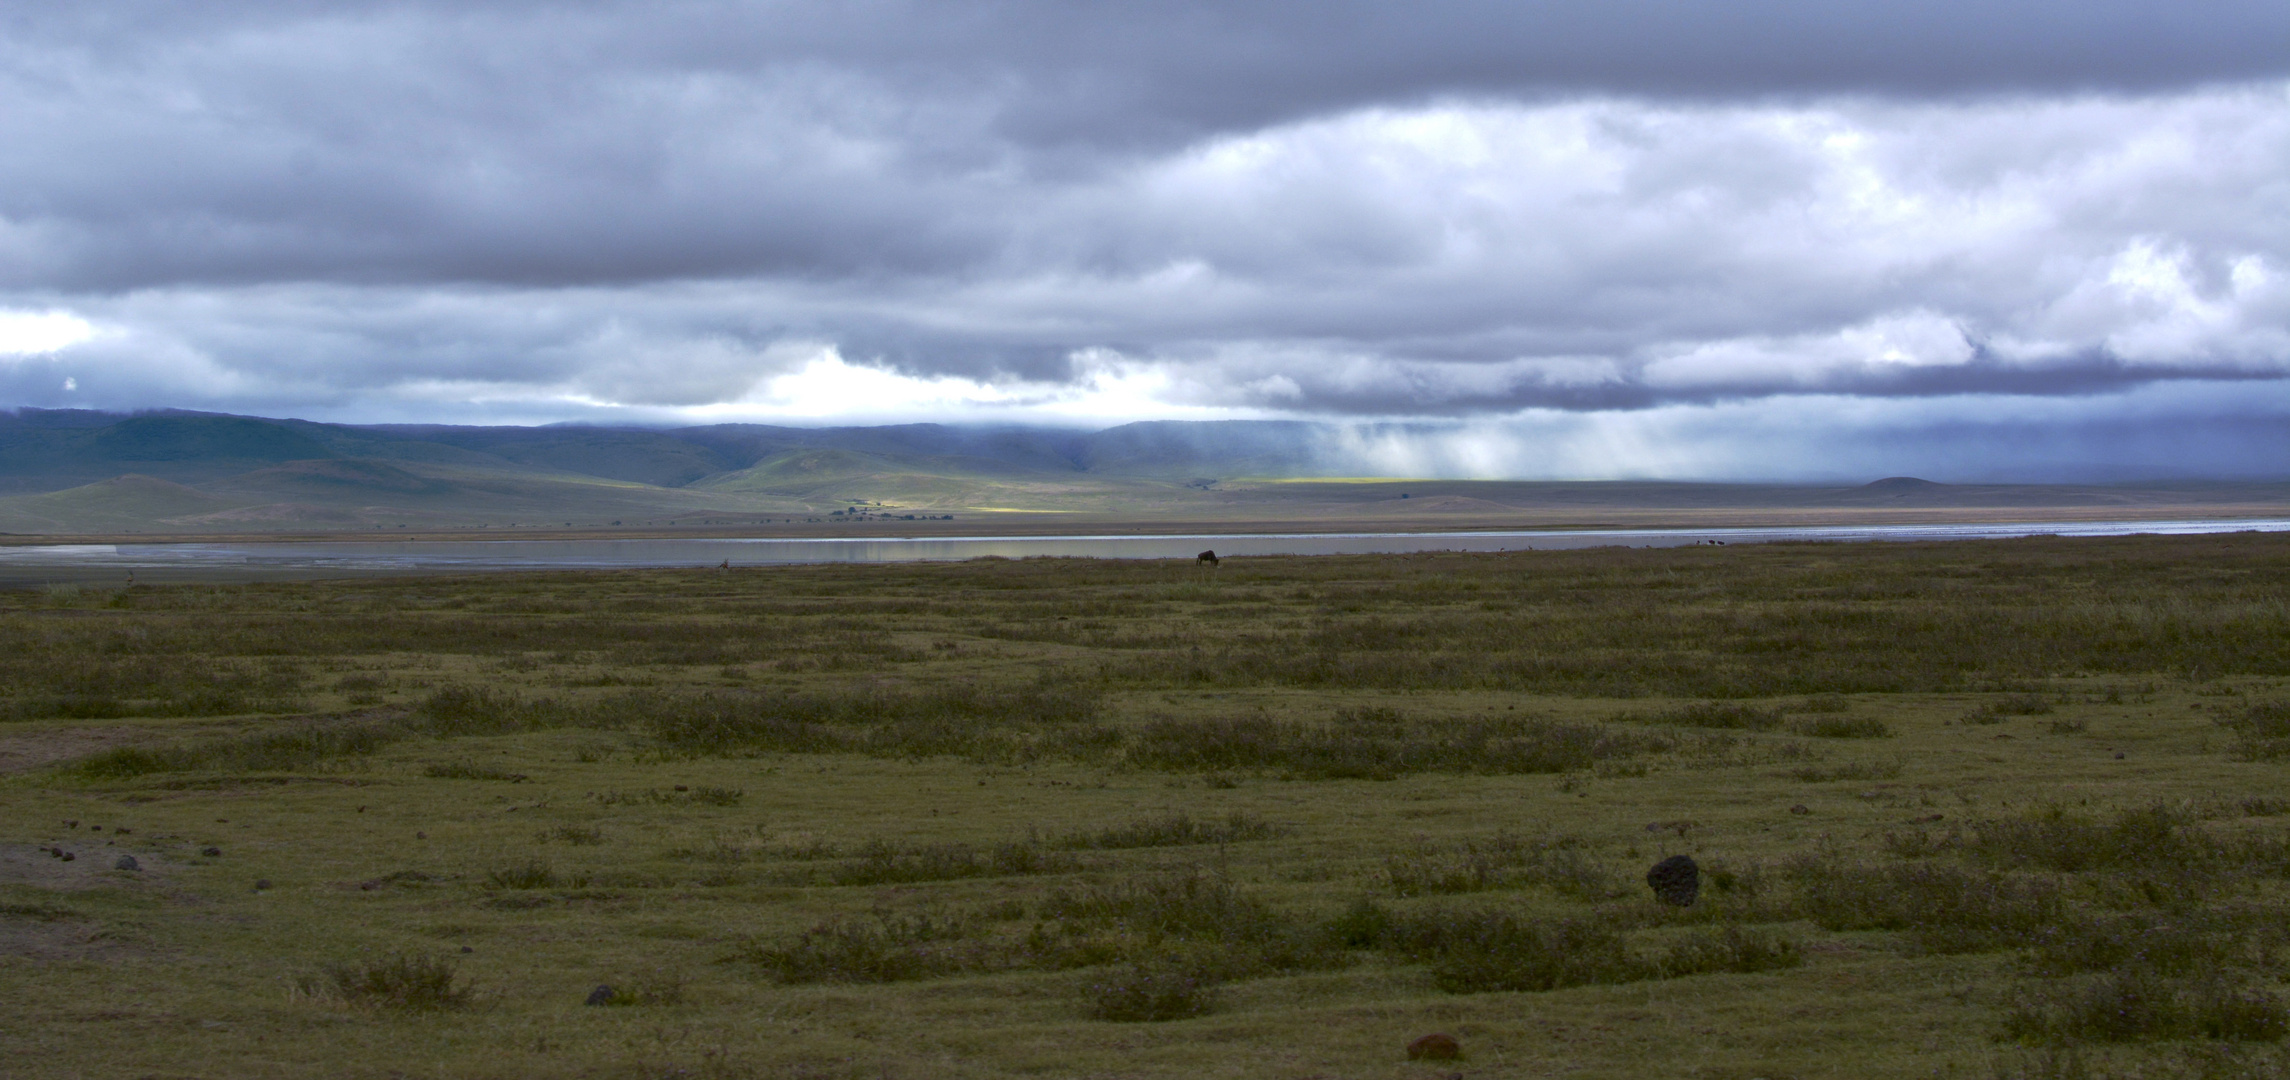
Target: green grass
{"points": [[1988, 809]]}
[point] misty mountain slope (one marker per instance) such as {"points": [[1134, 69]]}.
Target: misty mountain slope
{"points": [[185, 448], [659, 458], [121, 503], [1175, 448], [826, 476], [386, 492]]}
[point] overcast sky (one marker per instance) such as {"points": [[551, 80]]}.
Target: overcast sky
{"points": [[1806, 238]]}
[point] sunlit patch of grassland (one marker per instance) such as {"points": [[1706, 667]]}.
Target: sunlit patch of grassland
{"points": [[2004, 809]]}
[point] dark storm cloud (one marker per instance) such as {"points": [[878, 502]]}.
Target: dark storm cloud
{"points": [[531, 144]]}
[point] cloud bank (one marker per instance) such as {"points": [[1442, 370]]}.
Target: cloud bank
{"points": [[1685, 227]]}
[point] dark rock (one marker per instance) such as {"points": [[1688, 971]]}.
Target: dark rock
{"points": [[467, 949], [1800, 808], [68, 856], [1437, 1046], [126, 862], [211, 852], [602, 995], [2118, 757], [1676, 881], [261, 883]]}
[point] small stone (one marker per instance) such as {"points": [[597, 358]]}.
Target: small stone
{"points": [[68, 856], [2118, 757], [1676, 881], [261, 883], [211, 852], [1437, 1046], [1800, 808], [127, 862], [602, 995], [467, 949], [421, 836]]}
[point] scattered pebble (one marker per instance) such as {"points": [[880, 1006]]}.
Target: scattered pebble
{"points": [[2119, 756], [1800, 808], [261, 883], [467, 949], [127, 862], [211, 852], [602, 995], [421, 836]]}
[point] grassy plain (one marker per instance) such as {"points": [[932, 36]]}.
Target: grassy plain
{"points": [[2009, 809]]}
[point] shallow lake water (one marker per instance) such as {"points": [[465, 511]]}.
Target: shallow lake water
{"points": [[514, 554]]}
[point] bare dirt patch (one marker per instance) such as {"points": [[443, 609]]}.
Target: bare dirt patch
{"points": [[38, 932], [91, 867], [24, 751]]}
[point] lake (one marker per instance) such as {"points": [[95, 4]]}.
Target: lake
{"points": [[362, 555]]}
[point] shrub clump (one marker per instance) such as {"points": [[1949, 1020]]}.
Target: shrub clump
{"points": [[534, 874], [2264, 731], [2002, 709], [1174, 830], [1146, 993], [2140, 1004], [1562, 864], [888, 948], [1842, 727], [1945, 908], [1711, 714], [1485, 952], [1380, 744], [881, 863], [470, 770], [409, 982]]}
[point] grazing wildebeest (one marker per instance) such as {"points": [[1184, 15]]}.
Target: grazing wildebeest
{"points": [[1210, 557]]}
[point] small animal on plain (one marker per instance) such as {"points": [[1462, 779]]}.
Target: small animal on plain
{"points": [[1210, 557]]}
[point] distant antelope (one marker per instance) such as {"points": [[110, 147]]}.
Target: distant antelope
{"points": [[1210, 557]]}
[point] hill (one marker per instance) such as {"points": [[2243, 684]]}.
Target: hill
{"points": [[75, 471]]}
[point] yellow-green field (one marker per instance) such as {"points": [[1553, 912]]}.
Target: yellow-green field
{"points": [[1999, 809]]}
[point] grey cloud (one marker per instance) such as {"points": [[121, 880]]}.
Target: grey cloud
{"points": [[1464, 209]]}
